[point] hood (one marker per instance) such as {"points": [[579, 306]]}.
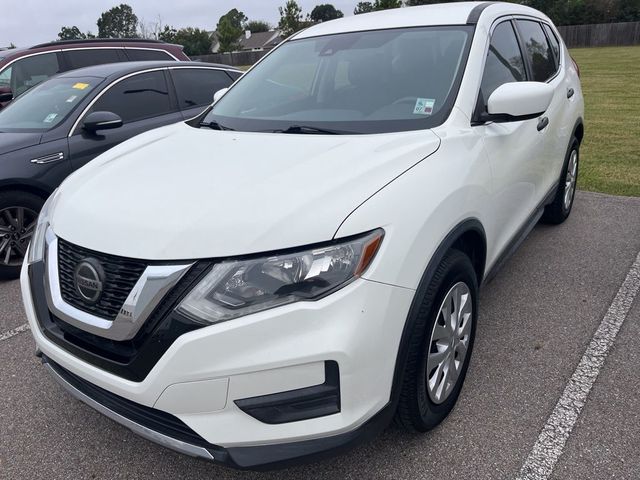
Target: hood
{"points": [[10, 142], [180, 193]]}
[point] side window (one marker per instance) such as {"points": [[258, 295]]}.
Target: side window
{"points": [[537, 50], [30, 71], [141, 96], [195, 87], [555, 44], [5, 77], [234, 75], [504, 60], [94, 56], [137, 55]]}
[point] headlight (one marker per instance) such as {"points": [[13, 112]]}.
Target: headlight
{"points": [[36, 247], [236, 288]]}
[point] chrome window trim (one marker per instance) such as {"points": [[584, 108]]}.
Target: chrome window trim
{"points": [[153, 50], [152, 286], [11, 62], [105, 90], [156, 437]]}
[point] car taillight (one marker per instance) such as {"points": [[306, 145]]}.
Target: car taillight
{"points": [[575, 64]]}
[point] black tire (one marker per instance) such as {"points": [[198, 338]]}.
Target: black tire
{"points": [[10, 200], [416, 410], [557, 211]]}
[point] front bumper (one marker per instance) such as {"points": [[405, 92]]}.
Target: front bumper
{"points": [[198, 380]]}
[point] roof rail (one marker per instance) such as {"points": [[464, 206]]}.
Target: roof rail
{"points": [[95, 40]]}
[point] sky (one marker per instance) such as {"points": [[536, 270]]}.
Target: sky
{"points": [[29, 22]]}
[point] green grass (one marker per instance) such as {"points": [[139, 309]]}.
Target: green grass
{"points": [[610, 153]]}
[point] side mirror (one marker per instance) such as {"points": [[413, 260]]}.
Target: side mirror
{"points": [[101, 121], [6, 95], [219, 94], [515, 101]]}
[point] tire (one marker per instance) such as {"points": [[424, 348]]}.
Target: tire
{"points": [[418, 410], [16, 229], [557, 211]]}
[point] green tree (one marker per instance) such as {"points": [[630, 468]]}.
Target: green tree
{"points": [[290, 18], [229, 30], [168, 34], [71, 33], [324, 13], [194, 41], [257, 26], [119, 22], [363, 7], [386, 4]]}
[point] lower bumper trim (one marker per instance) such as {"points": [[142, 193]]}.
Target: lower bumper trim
{"points": [[168, 431], [157, 437]]}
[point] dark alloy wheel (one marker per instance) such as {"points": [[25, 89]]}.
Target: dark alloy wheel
{"points": [[18, 217]]}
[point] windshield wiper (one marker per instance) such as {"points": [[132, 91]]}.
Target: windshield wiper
{"points": [[214, 125], [305, 129]]}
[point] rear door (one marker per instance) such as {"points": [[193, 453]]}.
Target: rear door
{"points": [[195, 87], [143, 100], [514, 149], [544, 66]]}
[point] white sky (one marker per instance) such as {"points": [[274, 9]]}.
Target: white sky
{"points": [[29, 22]]}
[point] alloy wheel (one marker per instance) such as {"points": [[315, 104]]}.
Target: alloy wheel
{"points": [[449, 342], [16, 228], [570, 179]]}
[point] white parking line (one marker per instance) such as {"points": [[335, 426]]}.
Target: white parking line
{"points": [[13, 332], [550, 444]]}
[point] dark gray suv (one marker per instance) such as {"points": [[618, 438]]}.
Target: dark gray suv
{"points": [[66, 121]]}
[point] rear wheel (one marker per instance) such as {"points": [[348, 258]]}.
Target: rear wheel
{"points": [[18, 216], [441, 345], [558, 211]]}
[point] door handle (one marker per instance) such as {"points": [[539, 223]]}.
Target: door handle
{"points": [[570, 92], [542, 123]]}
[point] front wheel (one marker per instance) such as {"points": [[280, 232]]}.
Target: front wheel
{"points": [[558, 211], [442, 339], [18, 216]]}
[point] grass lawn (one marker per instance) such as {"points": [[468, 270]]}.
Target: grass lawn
{"points": [[610, 154]]}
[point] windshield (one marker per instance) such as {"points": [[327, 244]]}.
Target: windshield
{"points": [[359, 82], [46, 105]]}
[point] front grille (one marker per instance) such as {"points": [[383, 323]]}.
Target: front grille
{"points": [[121, 274]]}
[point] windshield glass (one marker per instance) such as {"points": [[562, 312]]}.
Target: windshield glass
{"points": [[46, 105], [359, 82]]}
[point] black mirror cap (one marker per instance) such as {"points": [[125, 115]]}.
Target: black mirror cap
{"points": [[101, 121], [484, 118], [5, 95]]}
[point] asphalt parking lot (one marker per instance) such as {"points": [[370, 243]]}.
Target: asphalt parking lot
{"points": [[538, 317]]}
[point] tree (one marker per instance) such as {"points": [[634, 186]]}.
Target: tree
{"points": [[168, 34], [363, 7], [257, 26], [119, 22], [229, 30], [194, 41], [290, 18], [324, 13], [386, 4], [71, 33]]}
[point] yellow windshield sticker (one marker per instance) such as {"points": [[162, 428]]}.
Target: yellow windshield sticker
{"points": [[80, 86]]}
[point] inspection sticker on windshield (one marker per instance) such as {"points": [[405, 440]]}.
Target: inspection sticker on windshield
{"points": [[424, 106], [80, 86], [50, 118]]}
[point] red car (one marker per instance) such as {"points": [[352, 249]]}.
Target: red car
{"points": [[23, 68]]}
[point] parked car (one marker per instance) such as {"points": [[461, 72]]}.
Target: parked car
{"points": [[283, 275], [23, 68], [68, 120]]}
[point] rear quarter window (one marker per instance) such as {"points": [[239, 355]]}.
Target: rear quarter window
{"points": [[138, 54]]}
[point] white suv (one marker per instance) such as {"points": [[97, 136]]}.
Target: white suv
{"points": [[282, 275]]}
